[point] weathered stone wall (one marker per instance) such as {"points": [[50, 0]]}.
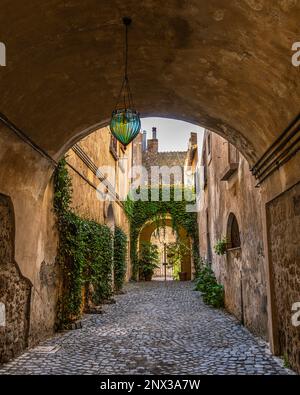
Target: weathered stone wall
{"points": [[283, 220], [241, 271], [151, 157], [172, 158], [25, 176], [15, 290], [232, 276]]}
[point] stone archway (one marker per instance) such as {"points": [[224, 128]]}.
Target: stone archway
{"points": [[163, 238], [225, 66], [211, 64], [151, 225]]}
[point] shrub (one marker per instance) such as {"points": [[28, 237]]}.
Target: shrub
{"points": [[212, 292], [148, 260], [84, 254], [120, 252], [221, 246], [176, 252]]}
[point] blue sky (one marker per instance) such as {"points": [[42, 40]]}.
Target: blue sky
{"points": [[172, 135]]}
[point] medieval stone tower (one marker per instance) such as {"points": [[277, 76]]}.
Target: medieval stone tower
{"points": [[152, 157]]}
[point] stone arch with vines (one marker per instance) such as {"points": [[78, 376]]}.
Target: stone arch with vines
{"points": [[141, 211]]}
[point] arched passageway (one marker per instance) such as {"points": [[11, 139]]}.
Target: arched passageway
{"points": [[163, 238], [151, 226], [225, 66]]}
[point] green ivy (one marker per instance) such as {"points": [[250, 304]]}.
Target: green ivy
{"points": [[221, 246], [84, 254], [148, 260], [140, 211], [176, 252], [99, 257], [206, 283], [120, 253]]}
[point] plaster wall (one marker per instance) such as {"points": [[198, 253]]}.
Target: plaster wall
{"points": [[24, 177], [242, 271]]}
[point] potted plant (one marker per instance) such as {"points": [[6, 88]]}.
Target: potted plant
{"points": [[176, 252], [221, 246], [148, 261]]}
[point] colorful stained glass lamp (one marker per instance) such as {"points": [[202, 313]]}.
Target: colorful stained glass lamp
{"points": [[125, 122]]}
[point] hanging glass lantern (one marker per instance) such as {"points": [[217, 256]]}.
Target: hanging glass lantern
{"points": [[125, 125], [125, 122]]}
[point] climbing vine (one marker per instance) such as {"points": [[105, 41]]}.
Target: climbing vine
{"points": [[84, 254], [120, 253], [140, 211], [206, 282]]}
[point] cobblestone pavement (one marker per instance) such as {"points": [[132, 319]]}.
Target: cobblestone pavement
{"points": [[154, 328]]}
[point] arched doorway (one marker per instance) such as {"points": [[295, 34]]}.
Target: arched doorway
{"points": [[223, 75], [233, 232], [234, 299], [110, 216], [163, 238], [152, 226]]}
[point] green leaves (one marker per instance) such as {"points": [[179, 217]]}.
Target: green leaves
{"points": [[221, 246], [212, 292], [139, 212], [148, 260], [99, 260], [62, 188], [120, 253], [85, 254]]}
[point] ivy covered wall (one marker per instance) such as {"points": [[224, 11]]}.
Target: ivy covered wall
{"points": [[120, 258], [85, 255], [141, 211]]}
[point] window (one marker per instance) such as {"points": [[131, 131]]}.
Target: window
{"points": [[233, 154], [233, 232], [233, 163]]}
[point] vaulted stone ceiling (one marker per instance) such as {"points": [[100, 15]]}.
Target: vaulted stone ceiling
{"points": [[221, 64]]}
